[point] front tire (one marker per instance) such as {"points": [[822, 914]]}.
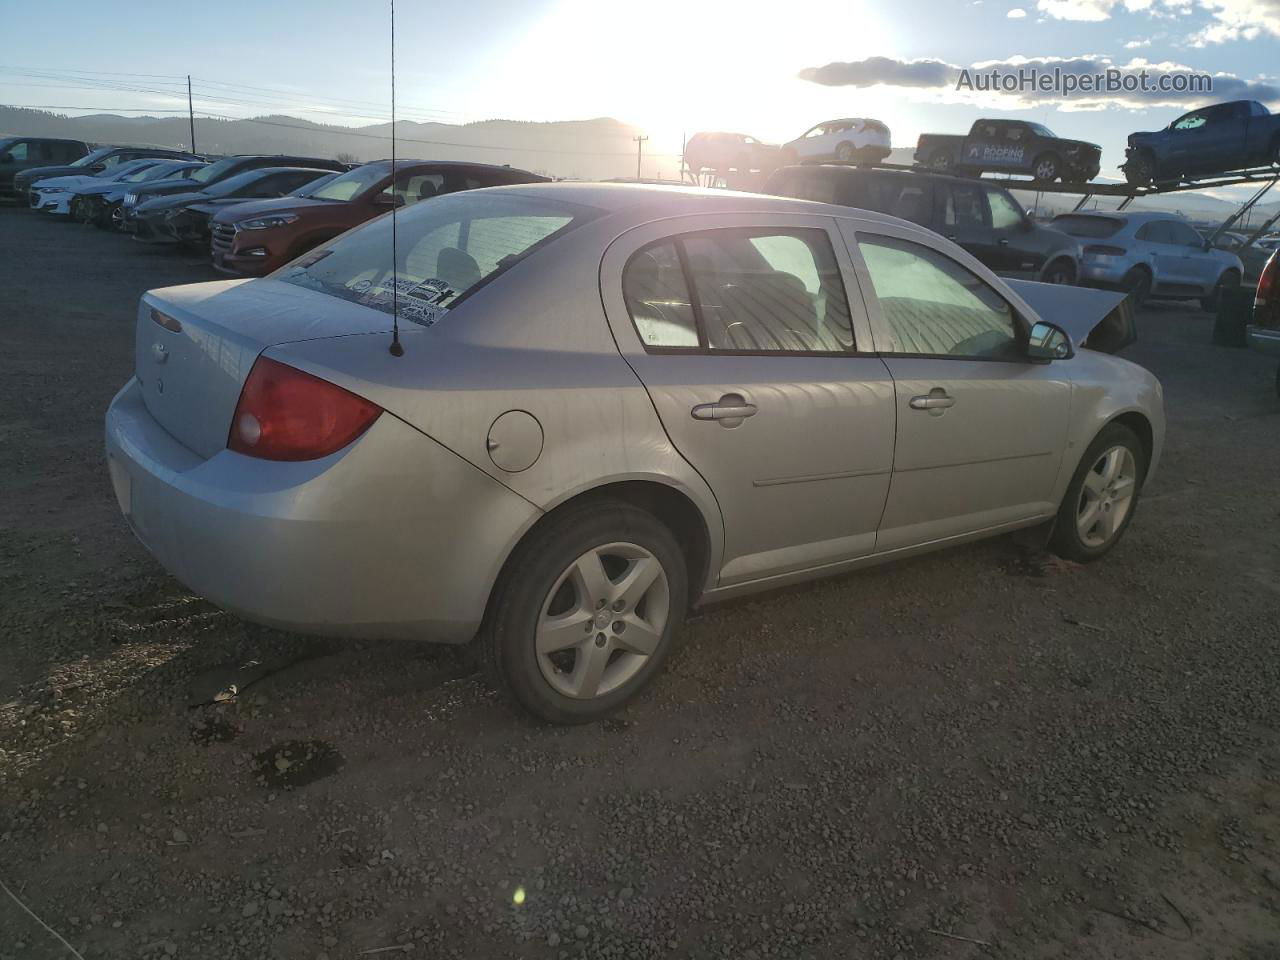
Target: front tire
{"points": [[585, 612], [1140, 169], [844, 153], [1103, 494], [1230, 279], [1060, 271]]}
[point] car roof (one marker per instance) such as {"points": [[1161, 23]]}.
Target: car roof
{"points": [[644, 202]]}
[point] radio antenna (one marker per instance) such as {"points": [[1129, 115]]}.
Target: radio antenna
{"points": [[396, 349]]}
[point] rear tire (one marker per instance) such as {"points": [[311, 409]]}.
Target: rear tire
{"points": [[531, 647], [1230, 279], [1102, 496], [845, 152], [1047, 168], [1137, 283], [942, 160]]}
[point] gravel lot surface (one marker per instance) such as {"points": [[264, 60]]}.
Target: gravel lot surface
{"points": [[979, 753]]}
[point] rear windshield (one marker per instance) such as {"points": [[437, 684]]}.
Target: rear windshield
{"points": [[446, 249], [92, 157], [348, 185], [214, 170], [1089, 227]]}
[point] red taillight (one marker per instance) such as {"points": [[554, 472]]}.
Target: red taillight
{"points": [[1102, 250], [285, 414], [1268, 282]]}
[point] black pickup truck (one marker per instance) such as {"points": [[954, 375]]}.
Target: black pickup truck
{"points": [[1011, 146], [1214, 139]]}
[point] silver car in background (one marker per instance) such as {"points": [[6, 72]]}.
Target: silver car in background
{"points": [[1151, 256], [613, 402]]}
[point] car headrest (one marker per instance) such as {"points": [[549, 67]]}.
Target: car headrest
{"points": [[458, 268]]}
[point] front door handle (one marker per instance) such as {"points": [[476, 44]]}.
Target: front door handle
{"points": [[936, 399], [1004, 241], [730, 410]]}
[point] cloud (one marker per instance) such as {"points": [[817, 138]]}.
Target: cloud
{"points": [[941, 78], [1135, 44], [1239, 20], [1077, 9], [1017, 13], [883, 71]]}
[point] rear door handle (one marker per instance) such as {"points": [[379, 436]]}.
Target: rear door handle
{"points": [[935, 400], [730, 410]]}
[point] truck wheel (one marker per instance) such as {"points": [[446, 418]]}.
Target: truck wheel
{"points": [[1137, 283], [1229, 279], [1047, 168], [942, 160], [1140, 169]]}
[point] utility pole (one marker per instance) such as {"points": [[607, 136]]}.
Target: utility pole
{"points": [[191, 115], [684, 145], [639, 141]]}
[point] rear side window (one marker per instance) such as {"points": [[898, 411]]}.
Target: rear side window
{"points": [[740, 291], [446, 250], [965, 206], [935, 307], [909, 197], [1090, 228]]}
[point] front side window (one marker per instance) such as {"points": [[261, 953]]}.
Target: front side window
{"points": [[1005, 212], [935, 307], [19, 151], [1192, 121], [740, 291], [446, 249]]}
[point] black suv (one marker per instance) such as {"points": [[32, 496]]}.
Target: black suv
{"points": [[982, 218], [104, 158], [19, 154]]}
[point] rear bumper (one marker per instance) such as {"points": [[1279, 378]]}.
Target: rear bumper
{"points": [[1263, 339], [1107, 272], [392, 537]]}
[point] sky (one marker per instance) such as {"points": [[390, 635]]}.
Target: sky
{"points": [[738, 65]]}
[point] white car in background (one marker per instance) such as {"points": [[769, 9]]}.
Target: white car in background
{"points": [[1151, 255], [854, 140], [54, 194]]}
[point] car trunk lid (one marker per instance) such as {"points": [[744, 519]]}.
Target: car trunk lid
{"points": [[196, 344]]}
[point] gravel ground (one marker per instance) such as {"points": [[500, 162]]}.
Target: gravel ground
{"points": [[981, 752]]}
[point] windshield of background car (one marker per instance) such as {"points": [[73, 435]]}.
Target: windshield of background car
{"points": [[92, 158], [140, 172], [447, 249], [1091, 228], [214, 170], [162, 171], [348, 185]]}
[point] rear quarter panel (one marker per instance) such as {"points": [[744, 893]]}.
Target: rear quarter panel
{"points": [[535, 340]]}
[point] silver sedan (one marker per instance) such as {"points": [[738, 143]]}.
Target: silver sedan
{"points": [[606, 404]]}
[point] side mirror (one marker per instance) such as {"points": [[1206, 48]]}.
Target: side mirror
{"points": [[98, 167], [1048, 342]]}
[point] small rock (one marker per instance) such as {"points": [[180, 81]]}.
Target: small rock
{"points": [[179, 836], [553, 939], [250, 908], [581, 932]]}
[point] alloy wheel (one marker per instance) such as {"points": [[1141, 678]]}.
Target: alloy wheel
{"points": [[1046, 169], [1106, 496], [602, 619]]}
